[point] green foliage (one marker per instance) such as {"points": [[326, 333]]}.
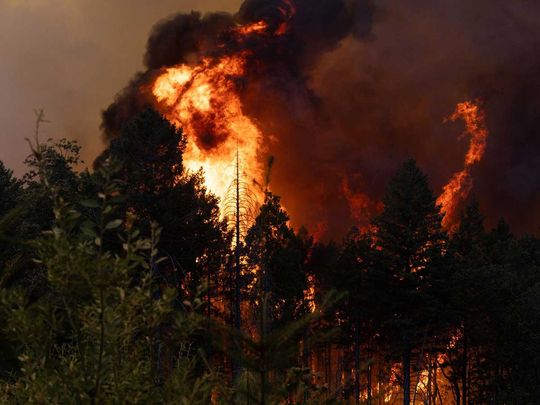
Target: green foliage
{"points": [[10, 190], [92, 337]]}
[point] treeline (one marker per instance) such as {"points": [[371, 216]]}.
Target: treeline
{"points": [[123, 285]]}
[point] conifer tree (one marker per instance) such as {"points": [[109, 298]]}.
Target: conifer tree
{"points": [[10, 198], [410, 240], [157, 188], [278, 257], [353, 274], [468, 253]]}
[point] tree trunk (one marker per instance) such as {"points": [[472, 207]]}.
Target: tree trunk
{"points": [[369, 375], [328, 365], [264, 358], [464, 369], [357, 361], [407, 376], [429, 382]]}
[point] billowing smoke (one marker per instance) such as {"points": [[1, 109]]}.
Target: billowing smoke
{"points": [[354, 87]]}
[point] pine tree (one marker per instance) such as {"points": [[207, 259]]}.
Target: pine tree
{"points": [[157, 188], [10, 190], [10, 199], [353, 274], [278, 257], [410, 240], [456, 304], [468, 252]]}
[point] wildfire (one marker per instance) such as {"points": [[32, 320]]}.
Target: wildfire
{"points": [[204, 101], [258, 27], [460, 184], [362, 208], [359, 203]]}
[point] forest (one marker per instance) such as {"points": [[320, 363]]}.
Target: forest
{"points": [[125, 284]]}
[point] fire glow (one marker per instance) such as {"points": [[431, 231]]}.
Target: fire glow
{"points": [[460, 185], [204, 101]]}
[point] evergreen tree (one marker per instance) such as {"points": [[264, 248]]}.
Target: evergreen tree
{"points": [[10, 190], [458, 301], [99, 304], [354, 274], [277, 256], [410, 241], [157, 188], [10, 199]]}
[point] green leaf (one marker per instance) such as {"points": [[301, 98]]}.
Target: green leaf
{"points": [[114, 224], [90, 203], [122, 294], [88, 228]]}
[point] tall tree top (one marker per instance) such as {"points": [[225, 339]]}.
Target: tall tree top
{"points": [[150, 148], [10, 189], [409, 228]]}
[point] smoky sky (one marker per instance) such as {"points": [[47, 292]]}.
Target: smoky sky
{"points": [[70, 57], [352, 90], [387, 96]]}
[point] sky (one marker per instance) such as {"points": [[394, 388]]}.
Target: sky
{"points": [[69, 58]]}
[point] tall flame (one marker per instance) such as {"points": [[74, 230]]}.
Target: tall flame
{"points": [[460, 184], [204, 101]]}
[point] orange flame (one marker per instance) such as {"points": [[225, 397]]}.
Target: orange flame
{"points": [[362, 208], [204, 101], [359, 203], [460, 185], [258, 27], [288, 11]]}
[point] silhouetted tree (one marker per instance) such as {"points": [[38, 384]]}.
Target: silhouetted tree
{"points": [[457, 290], [278, 257], [353, 274], [410, 241], [157, 188]]}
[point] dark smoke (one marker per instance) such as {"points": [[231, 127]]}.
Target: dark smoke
{"points": [[353, 89], [183, 38]]}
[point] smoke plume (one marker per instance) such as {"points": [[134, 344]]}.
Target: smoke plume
{"points": [[353, 88]]}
